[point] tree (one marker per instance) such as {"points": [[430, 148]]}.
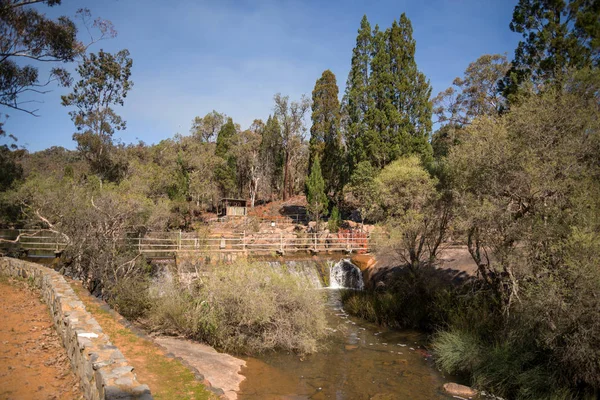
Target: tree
{"points": [[315, 192], [290, 116], [474, 95], [357, 102], [325, 136], [361, 191], [207, 127], [105, 81], [225, 149], [557, 35], [272, 156], [387, 106], [29, 35], [249, 166], [409, 116]]}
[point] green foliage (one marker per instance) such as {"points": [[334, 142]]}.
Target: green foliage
{"points": [[290, 117], [226, 173], [130, 297], [243, 308], [474, 95], [325, 135], [29, 34], [356, 100], [335, 220], [104, 82], [271, 152], [557, 36], [11, 170], [456, 351], [361, 192], [315, 192], [387, 98], [421, 299], [207, 127]]}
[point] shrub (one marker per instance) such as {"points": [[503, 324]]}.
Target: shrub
{"points": [[243, 308], [421, 299], [335, 220], [130, 297], [456, 351]]}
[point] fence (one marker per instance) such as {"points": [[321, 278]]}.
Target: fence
{"points": [[167, 243], [31, 240]]}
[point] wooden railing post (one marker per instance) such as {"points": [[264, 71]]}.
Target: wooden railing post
{"points": [[281, 242]]}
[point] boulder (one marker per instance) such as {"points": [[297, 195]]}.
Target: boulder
{"points": [[459, 390]]}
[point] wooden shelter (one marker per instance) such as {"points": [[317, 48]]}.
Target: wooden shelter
{"points": [[232, 208]]}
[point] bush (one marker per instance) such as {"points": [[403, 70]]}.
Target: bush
{"points": [[335, 220], [421, 299], [457, 351], [130, 297], [243, 308]]}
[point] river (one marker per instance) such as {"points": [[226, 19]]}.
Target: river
{"points": [[359, 361]]}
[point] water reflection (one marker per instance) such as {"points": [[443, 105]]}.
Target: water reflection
{"points": [[361, 361]]}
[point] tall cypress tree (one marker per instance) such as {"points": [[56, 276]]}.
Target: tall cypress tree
{"points": [[357, 101], [325, 138], [387, 108], [377, 140], [226, 172], [409, 116]]}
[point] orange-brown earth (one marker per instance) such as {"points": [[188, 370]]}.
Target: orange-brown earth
{"points": [[167, 377], [33, 363]]}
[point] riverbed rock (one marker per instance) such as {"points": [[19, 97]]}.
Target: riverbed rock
{"points": [[220, 369], [459, 390]]}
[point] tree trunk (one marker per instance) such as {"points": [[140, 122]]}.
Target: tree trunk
{"points": [[286, 176]]}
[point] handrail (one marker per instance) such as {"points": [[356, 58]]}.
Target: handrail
{"points": [[251, 243]]}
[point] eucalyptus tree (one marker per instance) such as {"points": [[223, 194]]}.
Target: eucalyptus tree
{"points": [[290, 116], [105, 81], [29, 37]]}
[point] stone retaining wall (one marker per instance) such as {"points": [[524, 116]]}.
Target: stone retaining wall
{"points": [[100, 366]]}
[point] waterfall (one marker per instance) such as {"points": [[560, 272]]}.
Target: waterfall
{"points": [[346, 275], [305, 271]]}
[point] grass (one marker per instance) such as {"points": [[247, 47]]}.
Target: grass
{"points": [[167, 378]]}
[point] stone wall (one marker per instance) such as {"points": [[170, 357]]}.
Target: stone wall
{"points": [[100, 366]]}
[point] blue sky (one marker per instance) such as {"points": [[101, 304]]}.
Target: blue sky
{"points": [[191, 57]]}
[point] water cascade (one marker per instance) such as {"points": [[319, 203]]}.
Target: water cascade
{"points": [[346, 275]]}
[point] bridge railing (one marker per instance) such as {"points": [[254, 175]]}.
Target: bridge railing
{"points": [[164, 243]]}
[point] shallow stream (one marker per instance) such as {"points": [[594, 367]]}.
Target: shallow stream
{"points": [[360, 361]]}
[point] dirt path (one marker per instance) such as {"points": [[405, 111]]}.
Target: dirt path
{"points": [[33, 363]]}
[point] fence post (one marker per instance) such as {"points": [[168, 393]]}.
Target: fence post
{"points": [[315, 240], [140, 245], [244, 241], [179, 241], [281, 242]]}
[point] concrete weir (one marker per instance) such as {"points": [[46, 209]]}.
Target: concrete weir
{"points": [[102, 369]]}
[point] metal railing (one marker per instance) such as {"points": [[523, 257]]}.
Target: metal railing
{"points": [[166, 243]]}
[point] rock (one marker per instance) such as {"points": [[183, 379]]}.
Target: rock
{"points": [[459, 390]]}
